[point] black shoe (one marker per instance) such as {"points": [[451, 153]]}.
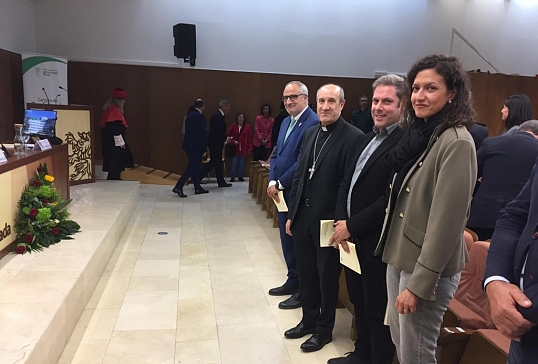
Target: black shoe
{"points": [[225, 184], [315, 343], [241, 179], [299, 331], [351, 358], [283, 290], [291, 303], [232, 179], [179, 192], [201, 191]]}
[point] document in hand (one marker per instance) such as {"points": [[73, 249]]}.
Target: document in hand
{"points": [[281, 206], [350, 259], [118, 140], [326, 229]]}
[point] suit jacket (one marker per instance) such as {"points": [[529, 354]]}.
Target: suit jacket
{"points": [[331, 165], [245, 139], [504, 165], [263, 130], [195, 140], [479, 132], [368, 198], [286, 153], [217, 131], [425, 234], [514, 232]]}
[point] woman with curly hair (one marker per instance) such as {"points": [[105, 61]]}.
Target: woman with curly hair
{"points": [[422, 240]]}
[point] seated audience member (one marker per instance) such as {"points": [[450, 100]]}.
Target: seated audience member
{"points": [[516, 110], [504, 166], [263, 128], [239, 146], [479, 132]]}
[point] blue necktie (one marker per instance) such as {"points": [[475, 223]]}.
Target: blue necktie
{"points": [[290, 128]]}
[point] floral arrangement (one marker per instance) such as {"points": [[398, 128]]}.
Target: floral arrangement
{"points": [[42, 219]]}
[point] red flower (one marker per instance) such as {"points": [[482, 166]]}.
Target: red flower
{"points": [[36, 183], [46, 200], [55, 231], [40, 169], [33, 212], [28, 238], [20, 249]]}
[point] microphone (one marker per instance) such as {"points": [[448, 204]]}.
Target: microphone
{"points": [[61, 88], [47, 96]]}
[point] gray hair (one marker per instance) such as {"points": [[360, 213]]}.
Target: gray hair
{"points": [[224, 102], [391, 80], [530, 126], [302, 86], [342, 98]]}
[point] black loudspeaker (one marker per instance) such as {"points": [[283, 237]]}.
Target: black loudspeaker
{"points": [[185, 42]]}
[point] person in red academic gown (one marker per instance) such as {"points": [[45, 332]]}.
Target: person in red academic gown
{"points": [[116, 155]]}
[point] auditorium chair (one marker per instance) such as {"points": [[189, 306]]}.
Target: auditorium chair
{"points": [[469, 317], [469, 240]]}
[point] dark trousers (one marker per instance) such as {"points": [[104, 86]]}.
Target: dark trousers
{"points": [[287, 245], [260, 153], [368, 293], [215, 157], [192, 171], [319, 271]]}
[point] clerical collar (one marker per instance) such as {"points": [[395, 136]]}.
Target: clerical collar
{"points": [[329, 127], [389, 129]]}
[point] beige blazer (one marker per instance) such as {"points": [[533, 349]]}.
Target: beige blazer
{"points": [[425, 234]]}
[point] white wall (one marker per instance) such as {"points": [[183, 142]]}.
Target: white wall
{"points": [[317, 37], [17, 26]]}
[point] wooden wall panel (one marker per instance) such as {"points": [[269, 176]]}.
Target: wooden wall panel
{"points": [[11, 94], [158, 98]]}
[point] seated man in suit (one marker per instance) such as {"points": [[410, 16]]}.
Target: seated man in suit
{"points": [[360, 214], [282, 168], [511, 277], [326, 153], [504, 166]]}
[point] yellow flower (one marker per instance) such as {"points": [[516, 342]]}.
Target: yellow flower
{"points": [[49, 178], [54, 203]]}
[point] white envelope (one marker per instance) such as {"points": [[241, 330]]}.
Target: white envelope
{"points": [[350, 259], [326, 228], [281, 206]]}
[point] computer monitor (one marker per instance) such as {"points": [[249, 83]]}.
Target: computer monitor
{"points": [[40, 122]]}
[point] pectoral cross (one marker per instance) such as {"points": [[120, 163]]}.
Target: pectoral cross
{"points": [[311, 170]]}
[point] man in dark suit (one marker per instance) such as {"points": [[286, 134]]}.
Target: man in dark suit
{"points": [[326, 152], [362, 117], [504, 166], [282, 168], [479, 132], [511, 276], [195, 145], [215, 141], [359, 216]]}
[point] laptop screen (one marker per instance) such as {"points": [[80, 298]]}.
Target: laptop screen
{"points": [[40, 122]]}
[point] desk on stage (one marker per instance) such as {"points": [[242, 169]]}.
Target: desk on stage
{"points": [[15, 175]]}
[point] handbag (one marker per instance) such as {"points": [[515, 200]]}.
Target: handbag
{"points": [[230, 148]]}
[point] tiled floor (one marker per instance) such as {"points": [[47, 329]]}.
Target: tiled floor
{"points": [[198, 293]]}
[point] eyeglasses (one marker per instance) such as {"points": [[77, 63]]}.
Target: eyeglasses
{"points": [[291, 97]]}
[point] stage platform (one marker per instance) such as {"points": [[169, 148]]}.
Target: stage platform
{"points": [[43, 295]]}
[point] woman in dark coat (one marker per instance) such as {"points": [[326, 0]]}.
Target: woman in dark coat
{"points": [[113, 125]]}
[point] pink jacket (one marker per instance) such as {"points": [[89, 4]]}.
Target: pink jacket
{"points": [[262, 130]]}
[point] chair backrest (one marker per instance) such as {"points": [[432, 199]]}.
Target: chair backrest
{"points": [[469, 241], [470, 292]]}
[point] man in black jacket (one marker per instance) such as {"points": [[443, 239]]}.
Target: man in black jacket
{"points": [[326, 152], [215, 141], [195, 145], [360, 213]]}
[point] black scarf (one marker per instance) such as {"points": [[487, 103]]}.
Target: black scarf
{"points": [[413, 143]]}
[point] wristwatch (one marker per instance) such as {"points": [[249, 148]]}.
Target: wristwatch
{"points": [[278, 186]]}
